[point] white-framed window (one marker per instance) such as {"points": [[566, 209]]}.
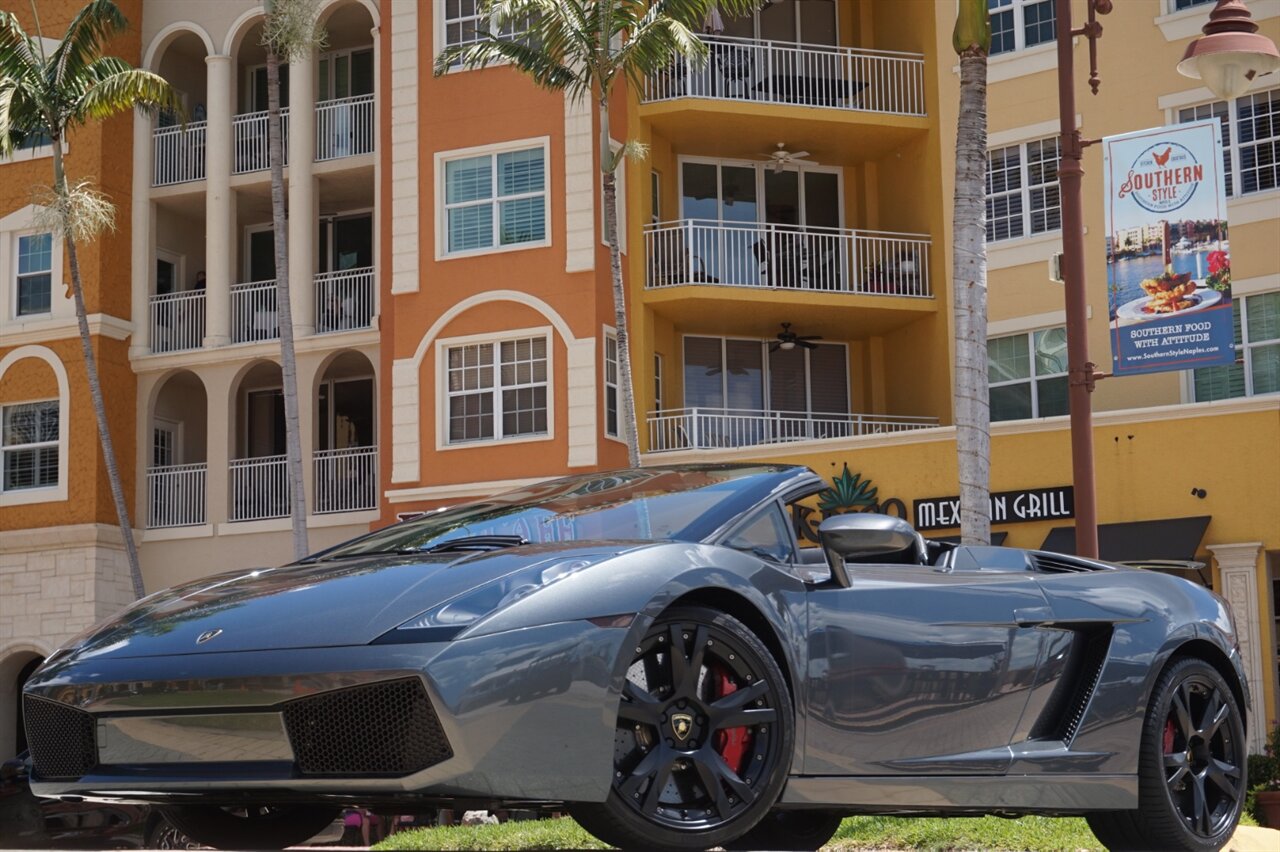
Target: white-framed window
{"points": [[29, 445], [494, 199], [497, 390], [1250, 139], [1179, 5], [611, 383], [1017, 24], [1257, 367], [1022, 190], [33, 283], [1027, 374], [462, 22]]}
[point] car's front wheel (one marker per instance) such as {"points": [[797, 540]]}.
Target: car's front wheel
{"points": [[250, 827], [704, 738], [1191, 769], [790, 831]]}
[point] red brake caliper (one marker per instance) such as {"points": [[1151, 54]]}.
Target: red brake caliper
{"points": [[731, 743], [1168, 737]]}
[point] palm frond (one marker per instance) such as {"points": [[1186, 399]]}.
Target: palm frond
{"points": [[21, 117], [89, 31], [119, 91], [19, 58]]}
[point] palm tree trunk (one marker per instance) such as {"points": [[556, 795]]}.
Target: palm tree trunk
{"points": [[626, 390], [969, 284], [284, 315], [95, 386]]}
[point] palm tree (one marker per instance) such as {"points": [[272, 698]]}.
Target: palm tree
{"points": [[583, 48], [45, 96], [289, 32], [972, 41]]}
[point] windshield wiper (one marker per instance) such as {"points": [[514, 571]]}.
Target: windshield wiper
{"points": [[476, 542]]}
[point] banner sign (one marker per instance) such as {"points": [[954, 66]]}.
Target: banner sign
{"points": [[1007, 507], [1168, 257]]}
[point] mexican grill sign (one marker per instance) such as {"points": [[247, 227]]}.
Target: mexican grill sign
{"points": [[1007, 507]]}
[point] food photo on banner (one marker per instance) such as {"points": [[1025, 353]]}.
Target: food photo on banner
{"points": [[1168, 256]]}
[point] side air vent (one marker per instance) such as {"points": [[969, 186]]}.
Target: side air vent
{"points": [[1065, 709], [1050, 563], [63, 740], [386, 728]]}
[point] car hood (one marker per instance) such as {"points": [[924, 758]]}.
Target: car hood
{"points": [[322, 604]]}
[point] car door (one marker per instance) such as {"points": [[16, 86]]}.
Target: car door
{"points": [[919, 670]]}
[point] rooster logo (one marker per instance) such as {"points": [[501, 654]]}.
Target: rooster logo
{"points": [[1161, 159]]}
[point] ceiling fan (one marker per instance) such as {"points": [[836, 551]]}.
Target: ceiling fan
{"points": [[788, 340], [782, 157]]}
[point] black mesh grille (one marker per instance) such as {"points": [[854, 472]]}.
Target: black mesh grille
{"points": [[386, 728], [63, 740]]}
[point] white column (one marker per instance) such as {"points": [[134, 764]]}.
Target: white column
{"points": [[302, 194], [141, 252], [219, 204], [222, 415], [1238, 572]]}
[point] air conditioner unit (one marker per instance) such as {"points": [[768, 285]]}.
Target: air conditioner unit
{"points": [[1055, 268]]}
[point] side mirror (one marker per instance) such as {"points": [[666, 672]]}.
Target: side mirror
{"points": [[863, 536]]}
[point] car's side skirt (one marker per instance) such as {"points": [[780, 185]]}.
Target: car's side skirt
{"points": [[1014, 794]]}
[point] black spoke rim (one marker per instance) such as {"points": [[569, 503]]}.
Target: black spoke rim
{"points": [[1202, 757], [695, 736]]}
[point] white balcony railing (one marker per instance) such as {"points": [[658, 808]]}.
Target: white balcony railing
{"points": [[344, 127], [176, 495], [779, 72], [178, 153], [259, 488], [177, 321], [344, 300], [750, 254], [249, 140], [717, 428], [346, 480], [253, 312]]}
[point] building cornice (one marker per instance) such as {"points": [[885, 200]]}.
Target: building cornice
{"points": [[64, 328]]}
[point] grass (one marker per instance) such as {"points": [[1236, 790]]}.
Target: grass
{"points": [[1027, 834]]}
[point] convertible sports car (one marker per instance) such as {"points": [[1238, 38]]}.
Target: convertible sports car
{"points": [[659, 651]]}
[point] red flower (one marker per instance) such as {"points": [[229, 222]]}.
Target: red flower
{"points": [[1218, 261]]}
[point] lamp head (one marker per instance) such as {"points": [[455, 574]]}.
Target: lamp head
{"points": [[1231, 53]]}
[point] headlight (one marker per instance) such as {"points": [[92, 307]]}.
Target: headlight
{"points": [[446, 620]]}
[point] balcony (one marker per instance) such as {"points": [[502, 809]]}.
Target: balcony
{"points": [[344, 300], [346, 480], [177, 321], [259, 488], [178, 153], [722, 428], [251, 150], [176, 496], [791, 74], [344, 127], [253, 312], [786, 257]]}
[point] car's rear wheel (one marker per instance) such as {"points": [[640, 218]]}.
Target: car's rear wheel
{"points": [[250, 827], [704, 739], [790, 831], [1191, 769]]}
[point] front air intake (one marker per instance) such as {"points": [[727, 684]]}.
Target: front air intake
{"points": [[386, 728], [63, 740]]}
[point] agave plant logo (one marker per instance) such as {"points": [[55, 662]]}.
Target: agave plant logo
{"points": [[849, 492]]}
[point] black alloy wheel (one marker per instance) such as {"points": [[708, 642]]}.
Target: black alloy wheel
{"points": [[704, 737], [1191, 772], [251, 826]]}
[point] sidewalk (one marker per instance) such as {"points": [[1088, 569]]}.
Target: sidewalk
{"points": [[1249, 838]]}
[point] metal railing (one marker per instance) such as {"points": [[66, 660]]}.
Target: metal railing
{"points": [[177, 321], [780, 72], [249, 141], [718, 428], [259, 488], [344, 300], [178, 153], [751, 254], [346, 480], [344, 127], [253, 312], [176, 495]]}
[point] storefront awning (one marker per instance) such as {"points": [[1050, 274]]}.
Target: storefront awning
{"points": [[1138, 541]]}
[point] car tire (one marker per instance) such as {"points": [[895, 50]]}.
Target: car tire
{"points": [[252, 827], [165, 835], [1191, 767], [790, 831], [685, 775]]}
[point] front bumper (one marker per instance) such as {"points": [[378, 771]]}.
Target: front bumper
{"points": [[526, 715]]}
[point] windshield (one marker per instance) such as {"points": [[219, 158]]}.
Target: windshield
{"points": [[629, 505]]}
